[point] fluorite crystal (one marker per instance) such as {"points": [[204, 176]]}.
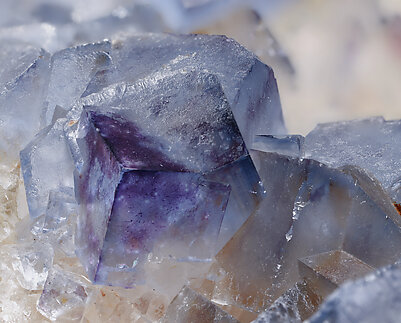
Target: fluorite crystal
{"points": [[162, 186], [315, 209], [371, 144], [375, 298], [189, 306], [189, 138], [324, 272]]}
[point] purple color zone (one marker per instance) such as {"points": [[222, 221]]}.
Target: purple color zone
{"points": [[152, 207], [189, 129], [94, 189], [131, 148]]}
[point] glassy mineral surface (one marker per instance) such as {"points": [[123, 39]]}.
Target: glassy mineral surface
{"points": [[315, 209], [372, 144], [189, 128], [373, 298], [163, 162]]}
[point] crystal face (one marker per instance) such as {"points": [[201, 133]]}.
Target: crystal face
{"points": [[373, 298], [371, 144], [293, 222], [186, 134], [150, 178]]}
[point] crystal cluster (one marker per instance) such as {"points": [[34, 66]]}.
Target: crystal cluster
{"points": [[162, 186]]}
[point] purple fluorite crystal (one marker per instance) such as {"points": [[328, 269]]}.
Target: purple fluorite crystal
{"points": [[159, 149]]}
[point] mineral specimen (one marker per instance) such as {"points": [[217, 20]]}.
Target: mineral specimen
{"points": [[190, 126], [64, 296], [162, 162]]}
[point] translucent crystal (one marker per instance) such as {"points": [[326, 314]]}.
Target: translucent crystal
{"points": [[190, 306], [61, 206], [286, 145], [172, 138], [71, 71], [64, 296], [375, 298], [171, 215], [315, 209], [16, 304], [46, 165], [18, 124], [60, 220], [16, 58], [189, 128], [371, 144], [246, 193], [256, 112], [294, 306], [326, 271]]}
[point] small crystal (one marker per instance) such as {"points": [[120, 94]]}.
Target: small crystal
{"points": [[371, 144], [190, 306], [71, 71], [64, 296], [326, 271], [294, 306], [30, 263], [46, 165], [375, 298]]}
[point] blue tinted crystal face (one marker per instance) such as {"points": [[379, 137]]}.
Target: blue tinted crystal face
{"points": [[160, 150], [371, 144], [160, 144], [190, 128]]}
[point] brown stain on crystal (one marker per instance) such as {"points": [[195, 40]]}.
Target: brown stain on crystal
{"points": [[398, 207], [72, 122]]}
